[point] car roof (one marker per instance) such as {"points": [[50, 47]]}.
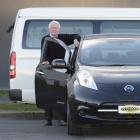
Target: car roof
{"points": [[112, 35]]}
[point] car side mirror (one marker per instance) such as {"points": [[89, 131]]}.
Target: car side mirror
{"points": [[59, 63]]}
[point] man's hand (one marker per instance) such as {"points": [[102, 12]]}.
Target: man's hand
{"points": [[76, 43]]}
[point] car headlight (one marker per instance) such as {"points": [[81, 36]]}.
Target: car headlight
{"points": [[86, 80]]}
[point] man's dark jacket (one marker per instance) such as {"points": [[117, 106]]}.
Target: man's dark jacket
{"points": [[52, 50]]}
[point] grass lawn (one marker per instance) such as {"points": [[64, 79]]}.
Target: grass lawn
{"points": [[18, 107], [11, 106], [4, 93]]}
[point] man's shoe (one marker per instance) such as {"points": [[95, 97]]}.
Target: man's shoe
{"points": [[62, 123], [48, 123]]}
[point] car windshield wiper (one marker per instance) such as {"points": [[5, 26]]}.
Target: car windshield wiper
{"points": [[122, 65], [107, 65], [116, 65], [102, 65]]}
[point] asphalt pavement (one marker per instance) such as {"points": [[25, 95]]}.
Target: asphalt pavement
{"points": [[12, 129]]}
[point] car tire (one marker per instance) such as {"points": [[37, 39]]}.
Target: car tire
{"points": [[71, 127]]}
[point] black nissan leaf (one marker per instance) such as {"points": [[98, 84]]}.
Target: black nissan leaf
{"points": [[101, 85]]}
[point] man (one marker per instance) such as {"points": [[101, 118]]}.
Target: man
{"points": [[53, 50]]}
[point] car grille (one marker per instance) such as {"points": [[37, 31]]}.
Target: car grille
{"points": [[113, 113]]}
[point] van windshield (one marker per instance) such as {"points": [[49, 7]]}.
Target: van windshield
{"points": [[111, 52]]}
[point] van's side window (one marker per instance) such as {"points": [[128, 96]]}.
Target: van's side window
{"points": [[120, 27], [36, 29]]}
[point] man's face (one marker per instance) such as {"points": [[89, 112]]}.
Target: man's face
{"points": [[54, 29]]}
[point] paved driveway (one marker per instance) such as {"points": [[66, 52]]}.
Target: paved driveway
{"points": [[11, 129]]}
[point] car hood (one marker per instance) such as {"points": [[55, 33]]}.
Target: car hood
{"points": [[115, 83], [123, 74]]}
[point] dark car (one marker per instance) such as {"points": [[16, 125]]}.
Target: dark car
{"points": [[102, 87]]}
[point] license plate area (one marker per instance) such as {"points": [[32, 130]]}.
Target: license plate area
{"points": [[129, 109]]}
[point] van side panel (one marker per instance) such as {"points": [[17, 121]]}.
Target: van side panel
{"points": [[26, 62]]}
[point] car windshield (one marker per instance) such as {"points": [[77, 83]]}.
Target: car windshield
{"points": [[111, 52]]}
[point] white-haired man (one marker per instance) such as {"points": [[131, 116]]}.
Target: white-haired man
{"points": [[51, 50]]}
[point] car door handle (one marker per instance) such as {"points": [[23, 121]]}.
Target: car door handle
{"points": [[40, 72], [60, 102]]}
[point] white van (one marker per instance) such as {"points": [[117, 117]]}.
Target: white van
{"points": [[32, 24]]}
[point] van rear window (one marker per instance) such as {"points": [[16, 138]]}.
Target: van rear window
{"points": [[35, 30]]}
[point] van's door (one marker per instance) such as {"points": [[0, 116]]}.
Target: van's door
{"points": [[51, 87]]}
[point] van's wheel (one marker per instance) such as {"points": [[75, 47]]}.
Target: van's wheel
{"points": [[71, 127]]}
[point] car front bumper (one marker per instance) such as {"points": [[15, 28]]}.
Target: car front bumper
{"points": [[90, 108]]}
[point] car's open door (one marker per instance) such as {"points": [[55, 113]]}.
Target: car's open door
{"points": [[51, 87]]}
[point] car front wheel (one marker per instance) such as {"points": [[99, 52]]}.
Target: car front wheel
{"points": [[72, 128]]}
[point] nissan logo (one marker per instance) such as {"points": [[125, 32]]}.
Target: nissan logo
{"points": [[129, 88]]}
